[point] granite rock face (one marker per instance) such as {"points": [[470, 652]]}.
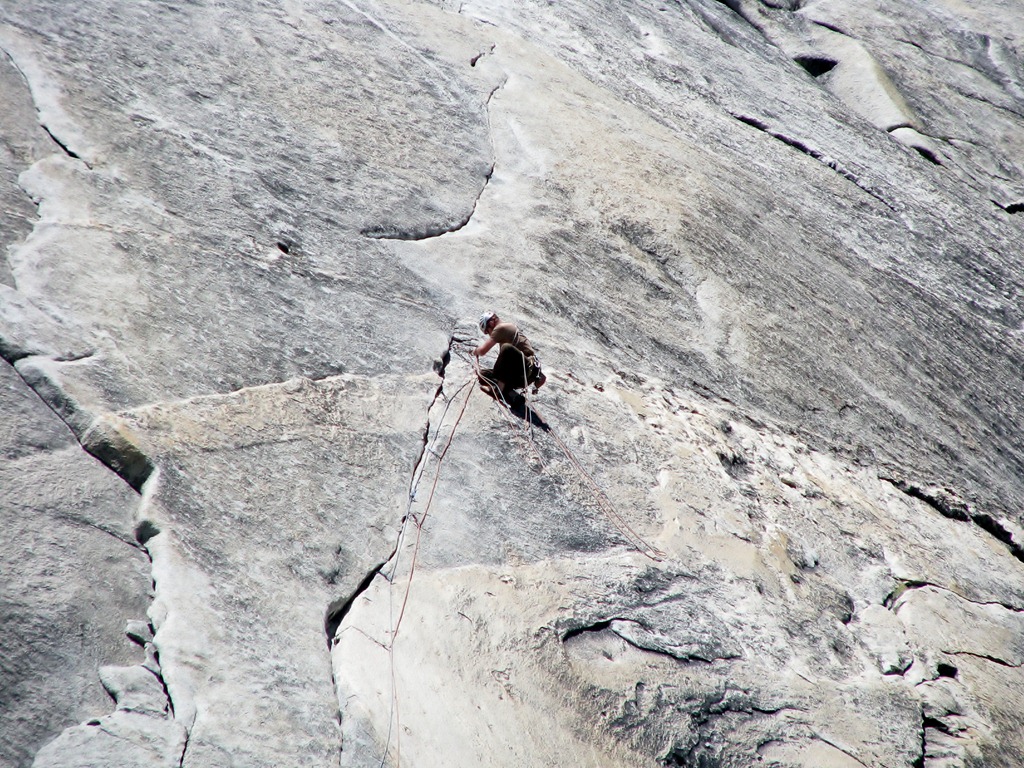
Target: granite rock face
{"points": [[767, 510]]}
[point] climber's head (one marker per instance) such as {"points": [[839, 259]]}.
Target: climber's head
{"points": [[487, 322]]}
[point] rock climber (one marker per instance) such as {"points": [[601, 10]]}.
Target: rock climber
{"points": [[517, 365]]}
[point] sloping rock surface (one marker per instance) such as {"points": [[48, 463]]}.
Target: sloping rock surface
{"points": [[766, 511]]}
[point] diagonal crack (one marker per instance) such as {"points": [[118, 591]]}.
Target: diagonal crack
{"points": [[810, 151], [949, 504], [986, 657], [337, 611], [609, 625], [111, 448], [67, 150], [846, 752]]}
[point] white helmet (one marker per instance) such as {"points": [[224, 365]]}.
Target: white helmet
{"points": [[485, 318]]}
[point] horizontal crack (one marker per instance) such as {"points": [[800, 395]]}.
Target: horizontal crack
{"points": [[907, 585], [608, 625], [985, 657]]}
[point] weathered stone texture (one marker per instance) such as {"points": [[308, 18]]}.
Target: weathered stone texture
{"points": [[770, 511], [72, 575]]}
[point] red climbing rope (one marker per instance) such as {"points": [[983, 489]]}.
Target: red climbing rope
{"points": [[604, 503], [634, 538], [394, 718], [526, 433], [426, 510]]}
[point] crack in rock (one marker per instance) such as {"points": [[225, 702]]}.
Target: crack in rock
{"points": [[985, 657], [66, 149], [846, 752], [832, 28], [428, 231], [97, 437], [386, 232], [1011, 208], [821, 157], [949, 504], [907, 585], [45, 97], [338, 610], [637, 635]]}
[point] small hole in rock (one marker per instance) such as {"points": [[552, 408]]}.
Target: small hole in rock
{"points": [[947, 670], [816, 66], [284, 248], [145, 531], [928, 155]]}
